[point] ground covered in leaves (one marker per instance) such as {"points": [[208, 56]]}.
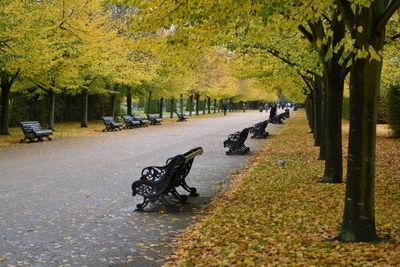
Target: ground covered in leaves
{"points": [[278, 214]]}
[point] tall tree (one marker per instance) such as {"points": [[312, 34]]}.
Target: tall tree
{"points": [[366, 22]]}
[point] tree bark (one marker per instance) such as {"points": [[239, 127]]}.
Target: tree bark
{"points": [[6, 81], [181, 103], [359, 214], [197, 103], [129, 101], [84, 121], [209, 105], [190, 104], [161, 107], [171, 113], [5, 103], [215, 105], [318, 114], [52, 109], [204, 106]]}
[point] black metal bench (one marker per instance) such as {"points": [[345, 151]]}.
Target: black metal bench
{"points": [[129, 122], [33, 130], [143, 122], [154, 120], [259, 130], [235, 142], [156, 183], [181, 116], [287, 113], [278, 119], [110, 124]]}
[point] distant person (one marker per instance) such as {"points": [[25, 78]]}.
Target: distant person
{"points": [[244, 107], [261, 108], [272, 113], [224, 107], [266, 107]]}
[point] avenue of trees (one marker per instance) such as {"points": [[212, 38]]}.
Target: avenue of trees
{"points": [[316, 52]]}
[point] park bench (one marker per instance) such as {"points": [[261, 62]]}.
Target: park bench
{"points": [[156, 182], [278, 119], [287, 113], [259, 130], [181, 116], [129, 122], [235, 142], [143, 122], [32, 130], [110, 124], [154, 120]]}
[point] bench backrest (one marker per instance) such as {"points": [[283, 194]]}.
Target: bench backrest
{"points": [[151, 116], [136, 117], [29, 126], [108, 120], [127, 118], [183, 169], [244, 134]]}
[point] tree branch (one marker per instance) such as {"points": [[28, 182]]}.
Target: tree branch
{"points": [[382, 21], [348, 14], [290, 63], [306, 33], [14, 77]]}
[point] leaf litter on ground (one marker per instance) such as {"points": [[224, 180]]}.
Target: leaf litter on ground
{"points": [[280, 215]]}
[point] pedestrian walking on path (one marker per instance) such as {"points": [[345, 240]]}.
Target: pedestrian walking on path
{"points": [[272, 113], [224, 107]]}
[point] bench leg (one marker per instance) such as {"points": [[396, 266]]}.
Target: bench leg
{"points": [[191, 190], [168, 204], [181, 198], [141, 206]]}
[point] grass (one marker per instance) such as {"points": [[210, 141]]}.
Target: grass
{"points": [[280, 215], [74, 129]]}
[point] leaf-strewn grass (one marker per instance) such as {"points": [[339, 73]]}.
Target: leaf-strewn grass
{"points": [[280, 215], [73, 129]]}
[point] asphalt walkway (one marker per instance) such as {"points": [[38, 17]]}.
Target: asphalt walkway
{"points": [[68, 201]]}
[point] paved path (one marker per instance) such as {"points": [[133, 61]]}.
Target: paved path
{"points": [[68, 201]]}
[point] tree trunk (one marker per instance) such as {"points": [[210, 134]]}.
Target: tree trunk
{"points": [[359, 212], [215, 105], [322, 146], [84, 121], [209, 105], [129, 101], [161, 107], [171, 113], [52, 109], [190, 104], [204, 106], [148, 104], [318, 115], [114, 101], [197, 103], [5, 103], [181, 103]]}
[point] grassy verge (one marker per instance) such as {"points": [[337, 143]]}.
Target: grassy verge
{"points": [[74, 129], [279, 215]]}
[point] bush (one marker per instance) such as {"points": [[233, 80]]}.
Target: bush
{"points": [[394, 110]]}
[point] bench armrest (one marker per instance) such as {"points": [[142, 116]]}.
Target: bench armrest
{"points": [[153, 173]]}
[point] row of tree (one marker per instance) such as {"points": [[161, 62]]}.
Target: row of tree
{"points": [[328, 45], [82, 48]]}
